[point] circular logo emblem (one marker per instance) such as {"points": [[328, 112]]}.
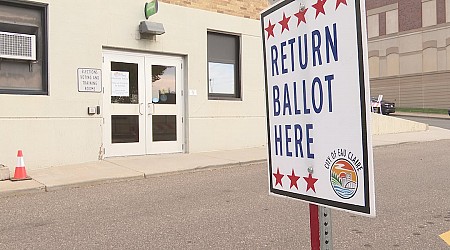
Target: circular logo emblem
{"points": [[344, 179]]}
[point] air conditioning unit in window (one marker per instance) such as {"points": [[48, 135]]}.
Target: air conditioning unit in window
{"points": [[17, 46]]}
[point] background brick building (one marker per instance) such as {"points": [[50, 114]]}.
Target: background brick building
{"points": [[409, 51]]}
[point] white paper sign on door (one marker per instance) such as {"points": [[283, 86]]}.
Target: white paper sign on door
{"points": [[120, 83]]}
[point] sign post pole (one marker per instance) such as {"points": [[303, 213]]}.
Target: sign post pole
{"points": [[320, 224], [326, 238], [315, 226]]}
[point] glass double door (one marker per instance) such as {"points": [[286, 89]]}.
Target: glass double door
{"points": [[142, 104]]}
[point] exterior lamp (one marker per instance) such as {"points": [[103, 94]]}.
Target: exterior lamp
{"points": [[149, 29]]}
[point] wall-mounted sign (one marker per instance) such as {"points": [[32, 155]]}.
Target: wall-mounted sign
{"points": [[120, 83], [317, 93], [151, 8], [89, 80]]}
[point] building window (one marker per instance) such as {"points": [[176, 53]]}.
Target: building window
{"points": [[429, 13], [392, 21], [373, 25], [23, 48], [224, 78]]}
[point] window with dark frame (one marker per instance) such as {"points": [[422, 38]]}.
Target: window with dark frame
{"points": [[21, 73], [224, 78]]}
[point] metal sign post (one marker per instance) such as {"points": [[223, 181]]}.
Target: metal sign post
{"points": [[326, 237], [320, 224]]}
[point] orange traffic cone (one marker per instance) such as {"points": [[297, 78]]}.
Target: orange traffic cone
{"points": [[20, 173]]}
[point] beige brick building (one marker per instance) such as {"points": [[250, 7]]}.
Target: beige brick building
{"points": [[409, 51]]}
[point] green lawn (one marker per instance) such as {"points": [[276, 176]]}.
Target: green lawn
{"points": [[424, 110]]}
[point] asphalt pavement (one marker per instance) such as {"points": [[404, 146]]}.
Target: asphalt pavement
{"points": [[229, 208]]}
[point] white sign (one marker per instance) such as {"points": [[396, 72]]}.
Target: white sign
{"points": [[89, 80], [318, 100], [380, 98], [120, 83]]}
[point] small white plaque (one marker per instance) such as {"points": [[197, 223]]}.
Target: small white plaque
{"points": [[89, 80]]}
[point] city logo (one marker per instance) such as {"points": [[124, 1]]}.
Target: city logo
{"points": [[344, 178]]}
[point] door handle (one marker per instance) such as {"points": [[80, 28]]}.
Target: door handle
{"points": [[140, 108], [151, 108]]}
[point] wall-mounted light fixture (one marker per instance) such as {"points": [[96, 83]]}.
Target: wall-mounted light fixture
{"points": [[149, 29]]}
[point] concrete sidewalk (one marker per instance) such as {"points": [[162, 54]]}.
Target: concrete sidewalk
{"points": [[140, 167]]}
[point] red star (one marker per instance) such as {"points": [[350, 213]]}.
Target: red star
{"points": [[294, 179], [310, 180], [278, 177], [284, 23], [319, 7], [301, 16], [269, 30], [338, 2]]}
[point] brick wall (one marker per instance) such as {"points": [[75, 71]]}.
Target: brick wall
{"points": [[242, 8], [441, 8], [372, 4], [409, 15]]}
